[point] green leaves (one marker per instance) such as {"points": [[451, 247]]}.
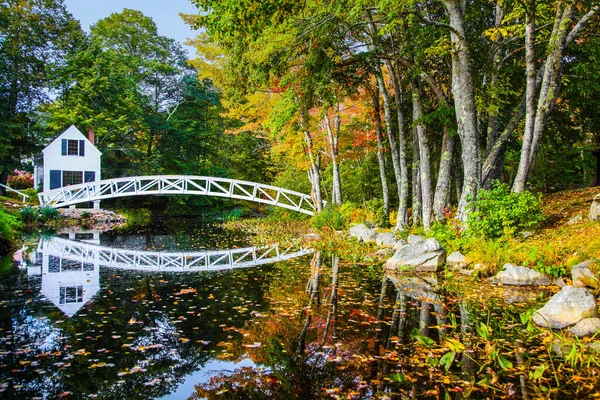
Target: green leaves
{"points": [[424, 340], [447, 359]]}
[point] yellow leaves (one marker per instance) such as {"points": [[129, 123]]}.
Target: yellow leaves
{"points": [[496, 33], [82, 352], [186, 291]]}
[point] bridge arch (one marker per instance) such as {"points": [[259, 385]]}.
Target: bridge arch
{"points": [[178, 184]]}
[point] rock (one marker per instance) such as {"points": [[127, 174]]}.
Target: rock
{"points": [[560, 282], [423, 256], [586, 327], [370, 237], [386, 239], [566, 308], [519, 275], [385, 252], [363, 233], [414, 239], [312, 237], [526, 234], [399, 243], [595, 209], [583, 276], [575, 220], [465, 271], [517, 294], [564, 348], [456, 259], [422, 288]]}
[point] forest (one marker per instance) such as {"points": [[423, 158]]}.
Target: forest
{"points": [[406, 108]]}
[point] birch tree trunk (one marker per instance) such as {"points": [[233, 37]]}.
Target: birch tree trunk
{"points": [[416, 182], [442, 188], [464, 104], [380, 153], [524, 163], [333, 136], [387, 112], [493, 124], [562, 36], [402, 219], [424, 159], [315, 173]]}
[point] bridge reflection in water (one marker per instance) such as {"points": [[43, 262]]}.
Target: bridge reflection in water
{"points": [[70, 270]]}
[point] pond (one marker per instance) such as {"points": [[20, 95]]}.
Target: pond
{"points": [[190, 310]]}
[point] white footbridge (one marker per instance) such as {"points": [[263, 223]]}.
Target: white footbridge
{"points": [[211, 260], [178, 185]]}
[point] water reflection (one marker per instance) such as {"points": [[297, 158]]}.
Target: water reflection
{"points": [[70, 269], [129, 333]]}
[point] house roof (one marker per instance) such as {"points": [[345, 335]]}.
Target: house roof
{"points": [[72, 130]]}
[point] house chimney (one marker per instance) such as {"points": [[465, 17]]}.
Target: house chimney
{"points": [[91, 134]]}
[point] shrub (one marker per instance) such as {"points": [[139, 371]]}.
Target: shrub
{"points": [[448, 234], [498, 212], [8, 230], [48, 213], [32, 193], [20, 180], [377, 213], [85, 214], [28, 215], [330, 217], [352, 213], [138, 217]]}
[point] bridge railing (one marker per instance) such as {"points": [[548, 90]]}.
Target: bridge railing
{"points": [[23, 195], [178, 184], [210, 260]]}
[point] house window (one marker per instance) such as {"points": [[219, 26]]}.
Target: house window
{"points": [[72, 178], [73, 148], [71, 294]]}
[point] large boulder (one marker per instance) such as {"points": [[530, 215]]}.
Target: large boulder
{"points": [[595, 209], [386, 239], [583, 276], [456, 259], [422, 288], [399, 243], [363, 233], [519, 275], [423, 256], [586, 327], [565, 308], [414, 239]]}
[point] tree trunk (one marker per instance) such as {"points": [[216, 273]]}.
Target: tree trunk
{"points": [[424, 159], [315, 173], [464, 104], [441, 198], [416, 182], [387, 112], [333, 135], [403, 199], [380, 153], [524, 163], [493, 124], [550, 86]]}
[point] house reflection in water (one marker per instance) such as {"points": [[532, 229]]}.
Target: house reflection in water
{"points": [[68, 282]]}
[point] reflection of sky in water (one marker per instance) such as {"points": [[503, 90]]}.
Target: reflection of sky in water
{"points": [[202, 376], [121, 325]]}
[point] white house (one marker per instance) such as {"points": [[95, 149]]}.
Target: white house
{"points": [[69, 159]]}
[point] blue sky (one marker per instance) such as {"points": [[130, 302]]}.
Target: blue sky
{"points": [[165, 14]]}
